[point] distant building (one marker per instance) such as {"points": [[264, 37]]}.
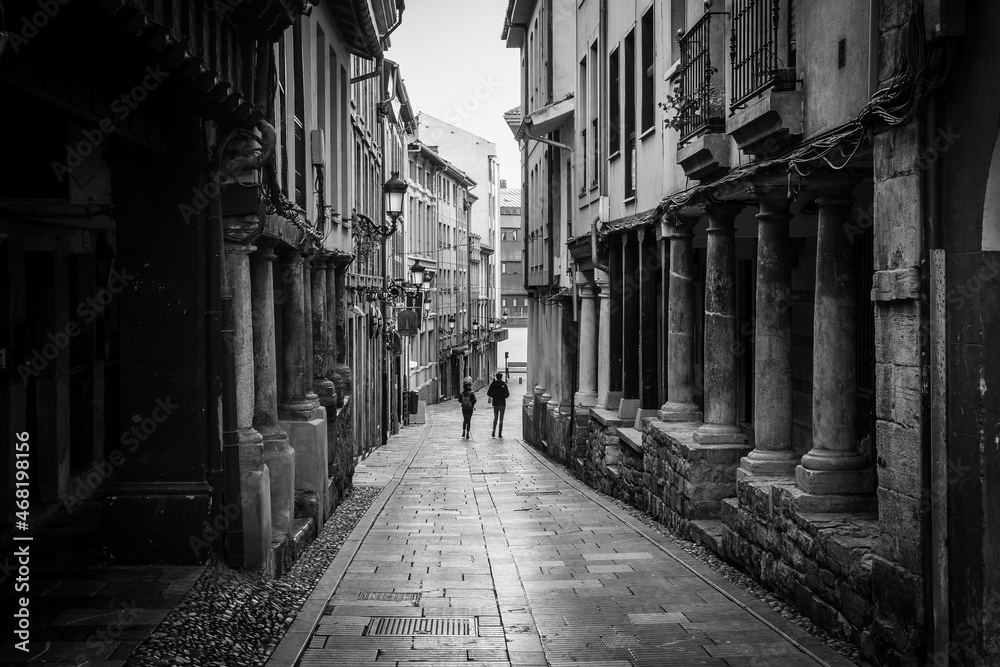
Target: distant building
{"points": [[476, 157], [513, 295]]}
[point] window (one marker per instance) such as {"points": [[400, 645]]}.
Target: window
{"points": [[503, 236], [503, 267], [514, 304], [648, 70], [630, 115], [584, 153], [513, 235], [595, 134], [614, 104], [503, 303]]}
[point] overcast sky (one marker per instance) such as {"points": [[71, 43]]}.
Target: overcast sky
{"points": [[456, 68]]}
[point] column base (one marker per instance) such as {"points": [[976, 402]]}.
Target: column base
{"points": [[719, 434], [256, 502], [323, 387], [309, 440], [586, 399], [298, 410], [836, 482], [768, 463], [279, 457], [679, 412]]}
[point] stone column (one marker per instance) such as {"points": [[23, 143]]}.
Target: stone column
{"points": [[772, 453], [603, 340], [631, 313], [339, 319], [531, 376], [569, 353], [720, 331], [834, 465], [330, 330], [322, 385], [307, 320], [253, 478], [680, 405], [279, 457], [587, 394], [295, 403]]}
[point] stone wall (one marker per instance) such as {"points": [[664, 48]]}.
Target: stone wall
{"points": [[686, 481], [821, 561], [660, 469]]}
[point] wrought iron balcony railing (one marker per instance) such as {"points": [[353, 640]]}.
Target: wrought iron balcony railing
{"points": [[753, 48], [701, 104]]}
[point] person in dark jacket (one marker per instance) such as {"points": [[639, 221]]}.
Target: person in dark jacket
{"points": [[498, 393], [468, 400]]}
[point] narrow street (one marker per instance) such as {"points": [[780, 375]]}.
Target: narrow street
{"points": [[480, 552]]}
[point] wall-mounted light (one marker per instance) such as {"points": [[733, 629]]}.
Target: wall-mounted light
{"points": [[394, 191]]}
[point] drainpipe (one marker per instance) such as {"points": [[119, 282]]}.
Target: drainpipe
{"points": [[370, 75]]}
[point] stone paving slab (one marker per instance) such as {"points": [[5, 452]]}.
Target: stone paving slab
{"points": [[481, 552]]}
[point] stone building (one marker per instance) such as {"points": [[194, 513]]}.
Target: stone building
{"points": [[177, 253], [440, 213], [789, 353], [477, 157], [513, 296], [544, 31]]}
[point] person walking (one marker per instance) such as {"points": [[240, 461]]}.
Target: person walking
{"points": [[468, 399], [498, 393]]}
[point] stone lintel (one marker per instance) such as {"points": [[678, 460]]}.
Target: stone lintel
{"points": [[679, 435], [761, 468], [606, 417], [680, 412], [836, 482], [720, 434], [630, 437], [704, 156]]}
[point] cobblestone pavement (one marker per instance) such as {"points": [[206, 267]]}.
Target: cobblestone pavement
{"points": [[481, 552]]}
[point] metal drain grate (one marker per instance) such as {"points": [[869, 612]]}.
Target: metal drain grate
{"points": [[537, 493], [409, 627], [389, 597]]}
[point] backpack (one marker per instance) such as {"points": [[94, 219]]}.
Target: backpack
{"points": [[466, 401]]}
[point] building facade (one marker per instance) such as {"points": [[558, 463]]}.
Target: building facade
{"points": [[440, 205], [206, 403], [513, 296], [477, 157], [776, 311]]}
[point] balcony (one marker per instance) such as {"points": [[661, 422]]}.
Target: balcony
{"points": [[765, 109], [702, 150]]}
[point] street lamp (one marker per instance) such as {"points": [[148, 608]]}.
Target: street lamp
{"points": [[503, 318], [417, 271], [451, 322], [394, 192]]}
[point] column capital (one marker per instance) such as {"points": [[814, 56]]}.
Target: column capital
{"points": [[265, 246], [236, 248], [722, 217], [587, 290], [839, 195], [680, 233]]}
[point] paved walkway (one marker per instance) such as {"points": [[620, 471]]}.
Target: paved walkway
{"points": [[483, 553]]}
